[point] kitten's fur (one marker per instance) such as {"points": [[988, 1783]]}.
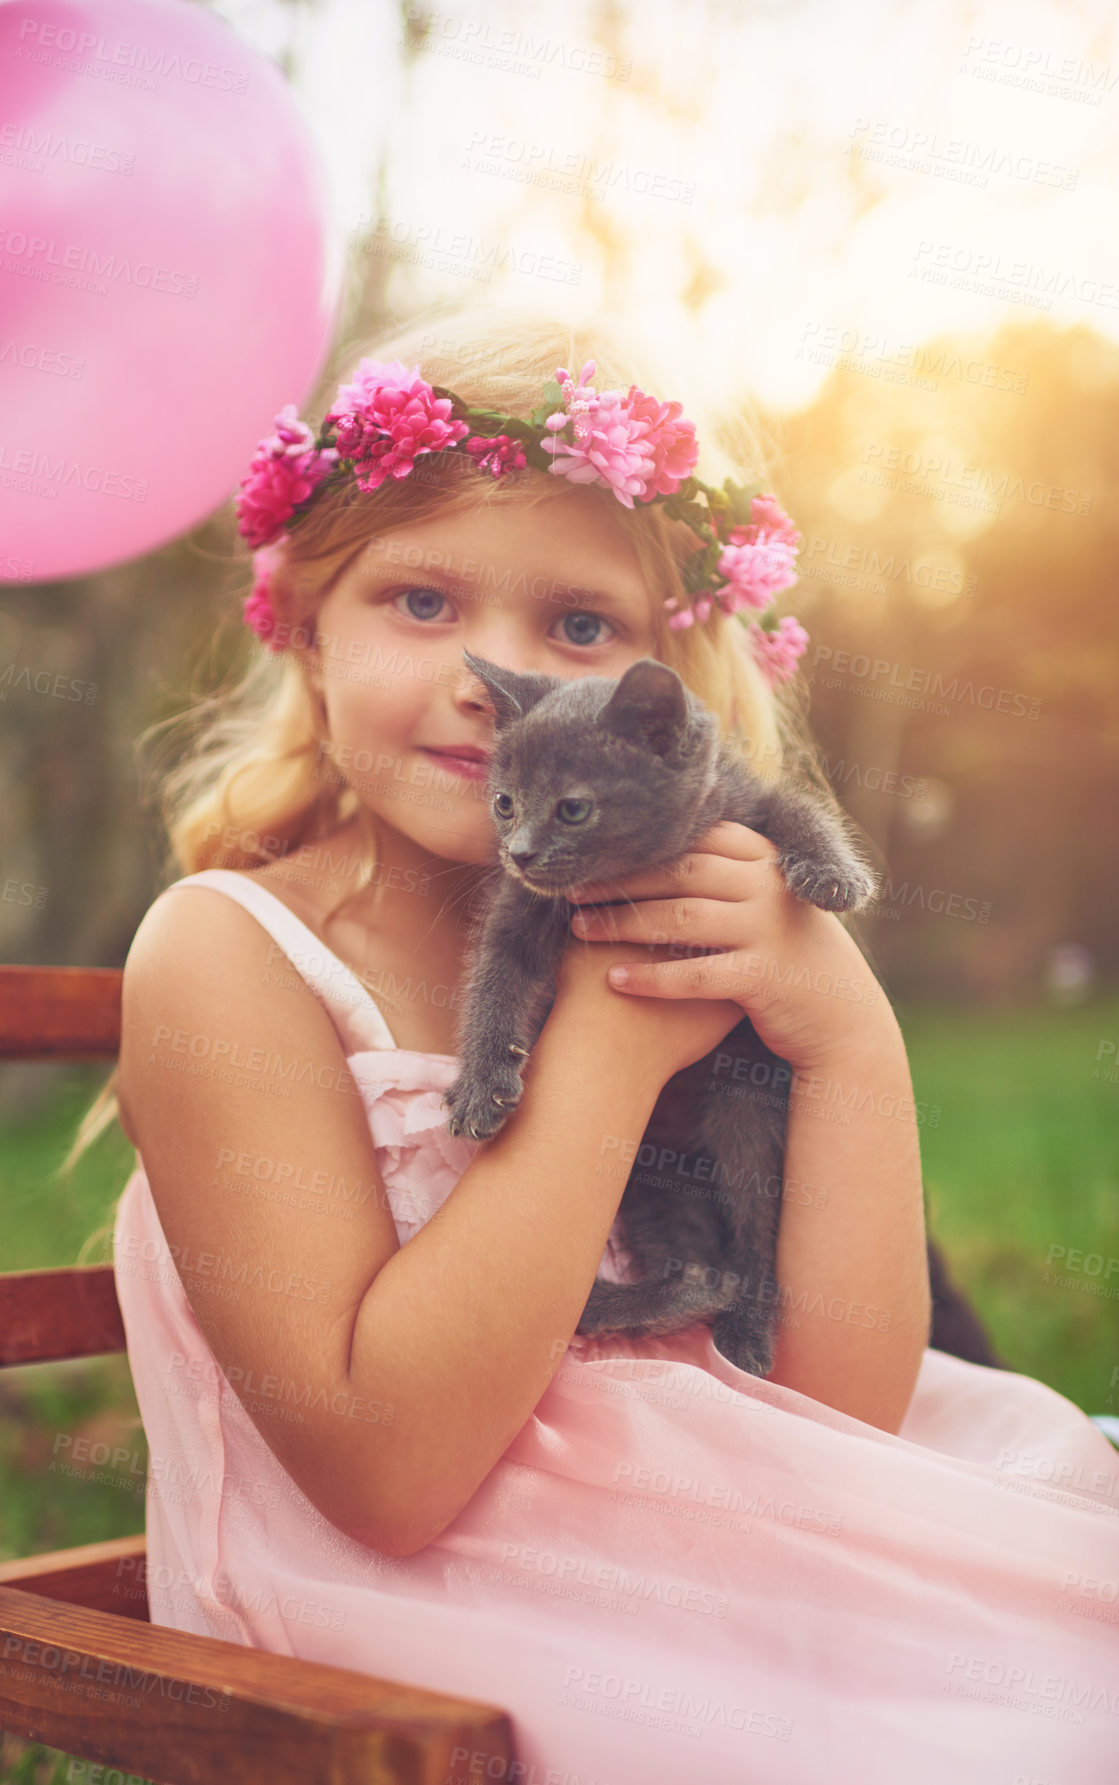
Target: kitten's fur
{"points": [[601, 777]]}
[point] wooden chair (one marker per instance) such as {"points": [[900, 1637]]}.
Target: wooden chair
{"points": [[81, 1666]]}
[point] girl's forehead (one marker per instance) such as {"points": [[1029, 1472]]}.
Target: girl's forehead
{"points": [[509, 542]]}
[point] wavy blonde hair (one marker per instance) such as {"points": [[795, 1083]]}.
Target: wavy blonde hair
{"points": [[250, 787]]}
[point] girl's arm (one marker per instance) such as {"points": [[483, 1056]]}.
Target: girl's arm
{"points": [[852, 1260], [851, 1250], [388, 1380], [464, 1327]]}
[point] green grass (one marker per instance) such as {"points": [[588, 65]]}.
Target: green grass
{"points": [[31, 1763], [1025, 1160], [48, 1502], [1022, 1159]]}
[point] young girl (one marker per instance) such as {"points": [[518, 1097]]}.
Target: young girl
{"points": [[376, 1438]]}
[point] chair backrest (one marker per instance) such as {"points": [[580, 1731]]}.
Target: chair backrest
{"points": [[59, 1013]]}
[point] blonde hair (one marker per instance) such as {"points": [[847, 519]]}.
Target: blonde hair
{"points": [[253, 788]]}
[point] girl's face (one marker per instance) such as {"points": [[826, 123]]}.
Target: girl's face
{"points": [[555, 587]]}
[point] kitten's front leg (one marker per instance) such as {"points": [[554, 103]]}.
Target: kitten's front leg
{"points": [[510, 976], [816, 860]]}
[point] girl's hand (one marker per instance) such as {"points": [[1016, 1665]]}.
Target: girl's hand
{"points": [[794, 969], [664, 1037]]}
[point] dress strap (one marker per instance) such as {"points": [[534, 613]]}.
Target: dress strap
{"points": [[354, 1011]]}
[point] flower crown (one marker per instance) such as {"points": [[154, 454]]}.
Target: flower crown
{"points": [[644, 450]]}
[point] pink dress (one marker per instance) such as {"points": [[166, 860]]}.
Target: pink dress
{"points": [[676, 1573]]}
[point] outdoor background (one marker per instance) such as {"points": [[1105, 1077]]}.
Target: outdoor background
{"points": [[892, 229]]}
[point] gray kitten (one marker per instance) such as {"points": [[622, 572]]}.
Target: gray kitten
{"points": [[589, 780]]}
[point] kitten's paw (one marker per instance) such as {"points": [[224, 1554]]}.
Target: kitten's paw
{"points": [[480, 1103], [746, 1347], [832, 886], [599, 1312]]}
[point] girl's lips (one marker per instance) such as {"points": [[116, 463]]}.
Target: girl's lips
{"points": [[460, 765]]}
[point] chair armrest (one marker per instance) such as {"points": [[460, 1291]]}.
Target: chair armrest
{"points": [[190, 1709], [109, 1576]]}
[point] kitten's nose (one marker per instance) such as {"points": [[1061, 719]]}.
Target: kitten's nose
{"points": [[522, 857]]}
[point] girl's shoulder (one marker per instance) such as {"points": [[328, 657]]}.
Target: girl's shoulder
{"points": [[234, 936], [298, 881], [401, 966]]}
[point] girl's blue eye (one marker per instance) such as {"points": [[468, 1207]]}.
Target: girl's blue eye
{"points": [[435, 594], [577, 618]]}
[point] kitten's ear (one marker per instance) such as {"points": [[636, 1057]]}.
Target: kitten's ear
{"points": [[513, 692], [649, 707]]}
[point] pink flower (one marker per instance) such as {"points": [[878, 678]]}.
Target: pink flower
{"points": [[256, 609], [766, 511], [669, 439], [634, 444], [758, 561], [286, 469], [779, 652], [497, 454], [386, 417]]}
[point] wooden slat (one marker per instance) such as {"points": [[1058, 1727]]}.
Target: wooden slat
{"points": [[190, 1709], [53, 1314], [60, 1013], [109, 1577]]}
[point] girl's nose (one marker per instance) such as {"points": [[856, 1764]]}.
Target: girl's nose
{"points": [[471, 691]]}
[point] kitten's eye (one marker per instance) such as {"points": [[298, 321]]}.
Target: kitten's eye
{"points": [[574, 811], [503, 805]]}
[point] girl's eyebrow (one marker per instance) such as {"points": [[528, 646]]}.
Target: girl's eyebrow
{"points": [[534, 589]]}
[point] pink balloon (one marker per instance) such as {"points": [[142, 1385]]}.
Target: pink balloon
{"points": [[169, 277]]}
